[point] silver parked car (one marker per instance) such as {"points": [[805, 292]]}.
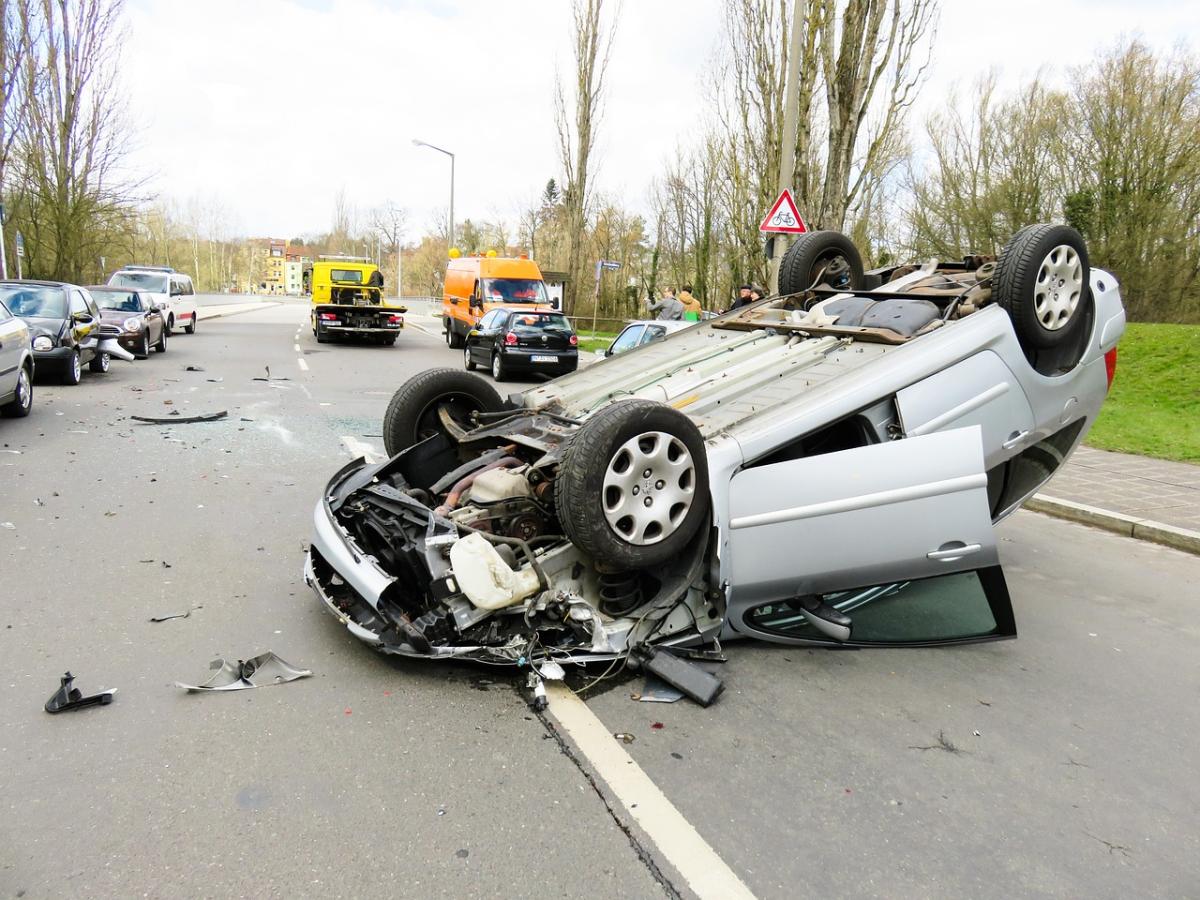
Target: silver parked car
{"points": [[822, 467]]}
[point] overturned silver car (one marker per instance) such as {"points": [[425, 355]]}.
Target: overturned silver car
{"points": [[823, 467]]}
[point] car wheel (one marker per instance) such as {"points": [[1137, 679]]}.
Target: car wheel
{"points": [[22, 402], [632, 487], [143, 351], [416, 409], [454, 340], [190, 327], [821, 257], [73, 373], [1042, 282], [499, 373], [322, 334], [99, 363], [467, 361], [171, 323], [161, 346]]}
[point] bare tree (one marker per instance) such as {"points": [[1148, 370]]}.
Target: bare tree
{"points": [[72, 202], [577, 117], [389, 221]]}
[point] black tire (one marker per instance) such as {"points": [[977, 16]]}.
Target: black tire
{"points": [[190, 327], [99, 363], [412, 415], [805, 260], [322, 336], [499, 371], [73, 372], [469, 363], [581, 499], [143, 351], [454, 340], [170, 323], [22, 403], [1048, 307], [161, 346]]}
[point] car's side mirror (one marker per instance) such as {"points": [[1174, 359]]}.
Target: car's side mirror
{"points": [[82, 318], [476, 303]]}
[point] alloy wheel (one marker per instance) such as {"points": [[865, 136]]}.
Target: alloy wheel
{"points": [[1058, 287], [648, 488]]}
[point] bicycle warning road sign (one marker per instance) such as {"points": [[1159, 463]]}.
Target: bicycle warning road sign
{"points": [[784, 217]]}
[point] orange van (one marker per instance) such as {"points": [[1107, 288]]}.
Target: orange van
{"points": [[476, 284]]}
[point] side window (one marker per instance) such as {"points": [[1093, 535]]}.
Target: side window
{"points": [[653, 333], [488, 320], [5, 315], [93, 307], [78, 304], [188, 287], [628, 339]]}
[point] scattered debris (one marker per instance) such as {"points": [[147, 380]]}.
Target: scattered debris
{"points": [[176, 419], [259, 671], [68, 697], [215, 380], [658, 726], [976, 733], [1112, 848], [194, 369], [165, 564], [655, 690], [693, 681], [624, 737], [942, 744], [8, 525], [182, 615]]}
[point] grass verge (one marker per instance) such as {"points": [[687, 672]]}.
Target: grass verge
{"points": [[1154, 406]]}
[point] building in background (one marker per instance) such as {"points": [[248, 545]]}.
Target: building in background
{"points": [[277, 268]]}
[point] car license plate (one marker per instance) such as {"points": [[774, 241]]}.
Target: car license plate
{"points": [[550, 359]]}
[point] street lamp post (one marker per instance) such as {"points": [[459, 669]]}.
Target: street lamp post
{"points": [[420, 143]]}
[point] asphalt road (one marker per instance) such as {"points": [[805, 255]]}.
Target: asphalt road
{"points": [[1060, 765]]}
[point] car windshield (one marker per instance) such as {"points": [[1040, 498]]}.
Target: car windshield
{"points": [[121, 301], [44, 302], [534, 322], [146, 281], [513, 290]]}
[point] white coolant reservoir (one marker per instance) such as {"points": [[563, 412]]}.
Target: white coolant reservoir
{"points": [[484, 576]]}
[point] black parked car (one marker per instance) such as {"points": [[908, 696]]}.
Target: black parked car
{"points": [[64, 322], [522, 340]]}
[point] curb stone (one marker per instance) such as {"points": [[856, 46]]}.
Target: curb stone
{"points": [[1129, 526]]}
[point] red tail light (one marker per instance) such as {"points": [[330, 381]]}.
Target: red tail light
{"points": [[328, 317], [574, 340], [510, 339], [395, 320], [1110, 365]]}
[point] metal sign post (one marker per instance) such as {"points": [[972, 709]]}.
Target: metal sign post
{"points": [[20, 241], [601, 265], [3, 258]]}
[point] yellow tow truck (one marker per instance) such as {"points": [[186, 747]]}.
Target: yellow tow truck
{"points": [[347, 301]]}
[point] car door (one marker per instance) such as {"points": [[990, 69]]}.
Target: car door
{"points": [[153, 317], [626, 340], [865, 520], [653, 333], [14, 338], [82, 322], [475, 338]]}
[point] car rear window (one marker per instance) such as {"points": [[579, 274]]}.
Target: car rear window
{"points": [[352, 276], [146, 281], [539, 322]]}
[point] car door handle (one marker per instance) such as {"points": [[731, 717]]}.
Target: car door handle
{"points": [[948, 553], [1015, 439]]}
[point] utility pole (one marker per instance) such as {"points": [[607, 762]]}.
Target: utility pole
{"points": [[3, 258], [787, 149], [420, 143]]}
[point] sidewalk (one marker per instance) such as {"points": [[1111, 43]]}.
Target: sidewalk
{"points": [[1129, 494], [231, 309]]}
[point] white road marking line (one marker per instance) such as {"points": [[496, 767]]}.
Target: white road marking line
{"points": [[296, 347], [360, 448], [705, 872], [303, 364], [419, 327]]}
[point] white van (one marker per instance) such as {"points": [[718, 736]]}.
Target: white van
{"points": [[164, 287]]}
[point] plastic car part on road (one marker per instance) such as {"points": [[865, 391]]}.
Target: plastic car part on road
{"points": [[259, 671]]}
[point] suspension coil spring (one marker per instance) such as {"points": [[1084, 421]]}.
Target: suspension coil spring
{"points": [[620, 592]]}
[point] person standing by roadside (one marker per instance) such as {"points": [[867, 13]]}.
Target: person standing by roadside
{"points": [[668, 307], [691, 306], [756, 294]]}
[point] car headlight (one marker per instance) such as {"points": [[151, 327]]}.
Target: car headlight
{"points": [[133, 324], [43, 342]]}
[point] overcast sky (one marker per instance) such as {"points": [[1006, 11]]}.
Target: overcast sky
{"points": [[269, 107]]}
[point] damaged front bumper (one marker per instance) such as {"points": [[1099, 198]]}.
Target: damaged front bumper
{"points": [[381, 563]]}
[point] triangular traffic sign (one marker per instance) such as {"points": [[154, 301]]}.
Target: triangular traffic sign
{"points": [[784, 217]]}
